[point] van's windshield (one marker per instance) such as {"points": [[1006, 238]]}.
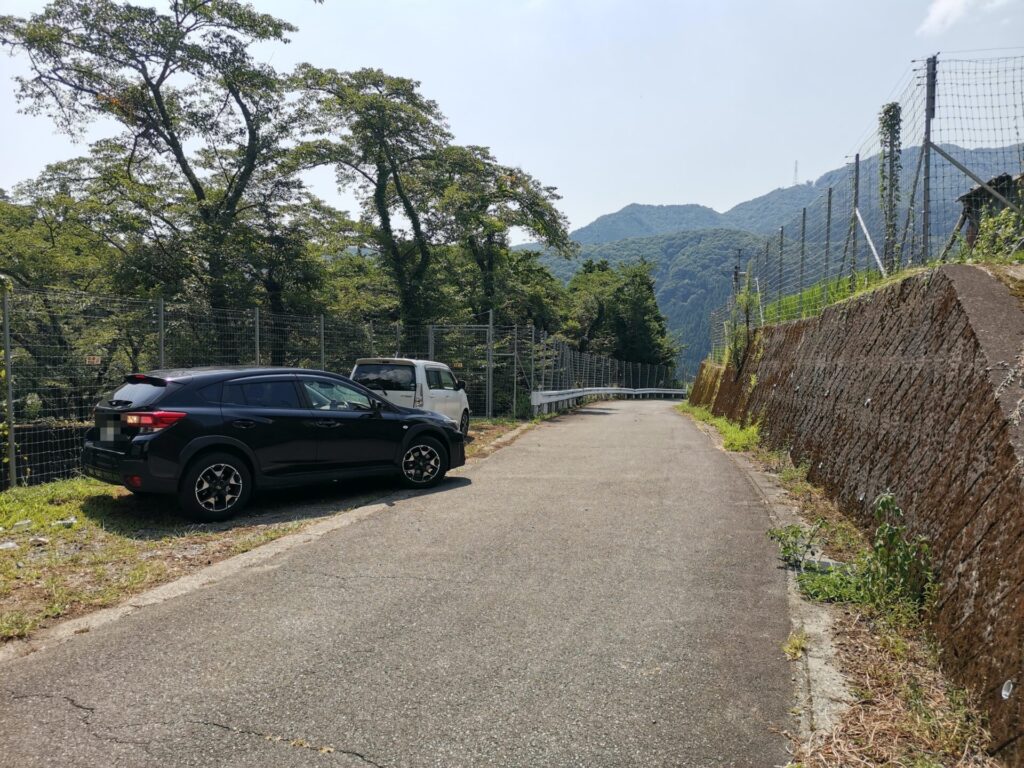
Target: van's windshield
{"points": [[386, 377]]}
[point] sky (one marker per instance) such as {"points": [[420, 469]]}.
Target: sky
{"points": [[616, 101]]}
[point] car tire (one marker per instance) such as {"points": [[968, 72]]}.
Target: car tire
{"points": [[464, 424], [424, 463], [215, 487]]}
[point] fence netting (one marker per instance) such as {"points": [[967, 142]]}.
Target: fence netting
{"points": [[947, 150], [68, 349]]}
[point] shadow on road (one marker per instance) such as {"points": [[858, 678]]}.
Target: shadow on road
{"points": [[156, 517]]}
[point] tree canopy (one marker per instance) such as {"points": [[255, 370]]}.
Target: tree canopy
{"points": [[198, 192]]}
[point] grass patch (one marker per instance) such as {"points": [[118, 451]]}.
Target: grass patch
{"points": [[905, 712], [734, 436]]}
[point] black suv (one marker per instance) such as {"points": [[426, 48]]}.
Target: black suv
{"points": [[214, 435]]}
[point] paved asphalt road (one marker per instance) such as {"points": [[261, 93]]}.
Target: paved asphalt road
{"points": [[601, 593]]}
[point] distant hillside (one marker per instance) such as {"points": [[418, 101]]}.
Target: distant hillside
{"points": [[645, 220], [693, 247], [767, 212]]}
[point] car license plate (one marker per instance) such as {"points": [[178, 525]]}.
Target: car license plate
{"points": [[108, 434]]}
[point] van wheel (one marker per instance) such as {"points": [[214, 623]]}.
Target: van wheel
{"points": [[215, 487], [464, 424], [424, 463]]}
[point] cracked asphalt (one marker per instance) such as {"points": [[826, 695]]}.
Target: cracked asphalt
{"points": [[600, 593]]}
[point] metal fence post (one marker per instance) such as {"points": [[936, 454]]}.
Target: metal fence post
{"points": [[256, 334], [931, 78], [533, 345], [12, 452], [490, 363], [160, 330], [323, 346], [778, 289], [398, 338], [430, 342], [515, 369], [828, 238], [853, 223], [803, 241], [373, 339]]}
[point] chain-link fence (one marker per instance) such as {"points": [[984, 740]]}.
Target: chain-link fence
{"points": [[949, 149], [64, 350]]}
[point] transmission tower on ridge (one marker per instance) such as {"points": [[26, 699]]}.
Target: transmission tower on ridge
{"points": [[796, 169]]}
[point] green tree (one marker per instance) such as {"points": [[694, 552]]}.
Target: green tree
{"points": [[481, 201], [381, 134], [194, 107], [613, 311]]}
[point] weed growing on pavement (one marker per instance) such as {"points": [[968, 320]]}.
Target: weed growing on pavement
{"points": [[796, 542], [894, 576], [734, 436], [795, 645]]}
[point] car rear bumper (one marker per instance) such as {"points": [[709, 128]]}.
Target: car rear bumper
{"points": [[119, 468]]}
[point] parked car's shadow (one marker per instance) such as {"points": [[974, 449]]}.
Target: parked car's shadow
{"points": [[157, 517]]}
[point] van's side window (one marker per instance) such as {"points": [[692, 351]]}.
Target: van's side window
{"points": [[447, 380], [434, 380]]}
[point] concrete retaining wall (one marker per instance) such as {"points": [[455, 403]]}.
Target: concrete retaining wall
{"points": [[918, 389]]}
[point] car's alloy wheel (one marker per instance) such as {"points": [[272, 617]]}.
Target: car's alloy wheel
{"points": [[421, 464], [464, 423], [219, 487]]}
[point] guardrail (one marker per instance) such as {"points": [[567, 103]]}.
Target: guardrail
{"points": [[545, 401]]}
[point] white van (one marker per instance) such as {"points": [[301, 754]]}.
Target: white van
{"points": [[416, 384]]}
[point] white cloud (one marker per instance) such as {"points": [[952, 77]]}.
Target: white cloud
{"points": [[943, 14]]}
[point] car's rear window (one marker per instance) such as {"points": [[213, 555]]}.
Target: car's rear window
{"points": [[392, 377], [261, 394], [136, 394]]}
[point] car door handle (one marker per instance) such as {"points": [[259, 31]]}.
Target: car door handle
{"points": [[328, 423], [243, 423]]}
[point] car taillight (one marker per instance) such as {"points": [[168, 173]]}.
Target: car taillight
{"points": [[152, 421], [417, 399]]}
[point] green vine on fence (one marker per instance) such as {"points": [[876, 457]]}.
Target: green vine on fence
{"points": [[890, 164]]}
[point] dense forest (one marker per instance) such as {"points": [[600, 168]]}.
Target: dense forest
{"points": [[692, 275], [200, 195]]}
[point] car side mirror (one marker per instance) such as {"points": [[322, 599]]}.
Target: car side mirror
{"points": [[377, 405], [460, 384]]}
